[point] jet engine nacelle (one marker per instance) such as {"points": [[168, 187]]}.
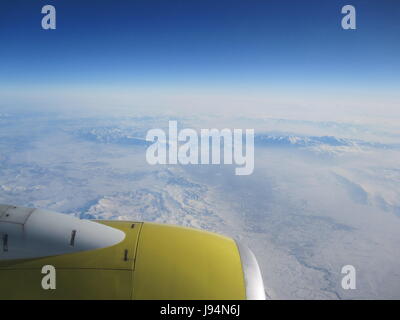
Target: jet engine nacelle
{"points": [[119, 260]]}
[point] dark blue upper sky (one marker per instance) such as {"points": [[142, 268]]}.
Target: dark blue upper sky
{"points": [[200, 42]]}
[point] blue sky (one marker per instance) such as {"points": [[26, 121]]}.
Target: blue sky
{"points": [[200, 43]]}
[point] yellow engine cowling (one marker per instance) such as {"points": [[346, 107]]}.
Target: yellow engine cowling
{"points": [[153, 261]]}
